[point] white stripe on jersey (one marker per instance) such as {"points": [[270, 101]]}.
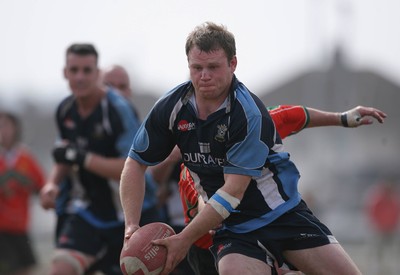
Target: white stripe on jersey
{"points": [[269, 189], [197, 185], [174, 112]]}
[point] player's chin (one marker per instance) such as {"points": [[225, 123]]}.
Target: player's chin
{"points": [[80, 91], [208, 93]]}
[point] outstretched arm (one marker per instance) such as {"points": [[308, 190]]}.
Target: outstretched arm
{"points": [[355, 117]]}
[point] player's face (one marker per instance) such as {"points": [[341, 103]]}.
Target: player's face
{"points": [[8, 133], [82, 74], [119, 80], [211, 73]]}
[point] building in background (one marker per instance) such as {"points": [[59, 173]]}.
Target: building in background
{"points": [[339, 165]]}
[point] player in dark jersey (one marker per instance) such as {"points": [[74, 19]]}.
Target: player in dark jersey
{"points": [[288, 120], [229, 143], [95, 127]]}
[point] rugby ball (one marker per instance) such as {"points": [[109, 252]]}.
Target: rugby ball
{"points": [[139, 256]]}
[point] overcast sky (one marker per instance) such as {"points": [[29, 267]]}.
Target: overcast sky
{"points": [[275, 39]]}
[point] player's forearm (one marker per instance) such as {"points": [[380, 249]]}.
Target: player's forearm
{"points": [[352, 118], [207, 219], [132, 188], [322, 118], [57, 173], [216, 210], [50, 190], [104, 167]]}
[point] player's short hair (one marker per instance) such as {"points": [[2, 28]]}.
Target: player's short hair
{"points": [[82, 49], [209, 37]]}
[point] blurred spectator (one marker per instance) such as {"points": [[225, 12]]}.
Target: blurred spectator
{"points": [[20, 177], [117, 77], [383, 207], [383, 213]]}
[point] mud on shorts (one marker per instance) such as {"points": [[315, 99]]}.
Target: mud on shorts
{"points": [[295, 230]]}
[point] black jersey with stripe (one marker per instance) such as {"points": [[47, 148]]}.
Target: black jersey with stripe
{"points": [[239, 138], [108, 131]]}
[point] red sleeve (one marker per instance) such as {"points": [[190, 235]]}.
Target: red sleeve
{"points": [[289, 119], [188, 194], [189, 197]]}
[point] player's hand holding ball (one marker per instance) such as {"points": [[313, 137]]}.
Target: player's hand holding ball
{"points": [[139, 256]]}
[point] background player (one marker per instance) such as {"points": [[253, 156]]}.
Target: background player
{"points": [[21, 176], [95, 127]]}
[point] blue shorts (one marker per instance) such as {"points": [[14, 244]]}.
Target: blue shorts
{"points": [[296, 229], [75, 233]]}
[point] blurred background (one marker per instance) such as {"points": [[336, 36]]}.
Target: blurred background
{"points": [[327, 54]]}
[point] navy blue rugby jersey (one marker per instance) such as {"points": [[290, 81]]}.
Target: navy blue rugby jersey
{"points": [[239, 138], [108, 131]]}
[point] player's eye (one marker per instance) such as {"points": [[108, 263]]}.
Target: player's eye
{"points": [[195, 68], [73, 70], [87, 70]]}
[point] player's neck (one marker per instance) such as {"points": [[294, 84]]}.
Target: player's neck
{"points": [[87, 104], [206, 107]]}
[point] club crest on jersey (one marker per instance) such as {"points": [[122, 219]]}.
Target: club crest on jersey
{"points": [[221, 132], [184, 125]]}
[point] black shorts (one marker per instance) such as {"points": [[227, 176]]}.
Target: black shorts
{"points": [[201, 261], [105, 244], [296, 229], [16, 253]]}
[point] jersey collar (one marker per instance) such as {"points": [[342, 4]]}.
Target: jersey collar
{"points": [[227, 104]]}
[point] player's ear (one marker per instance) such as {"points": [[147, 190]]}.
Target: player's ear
{"points": [[65, 73], [233, 63]]}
